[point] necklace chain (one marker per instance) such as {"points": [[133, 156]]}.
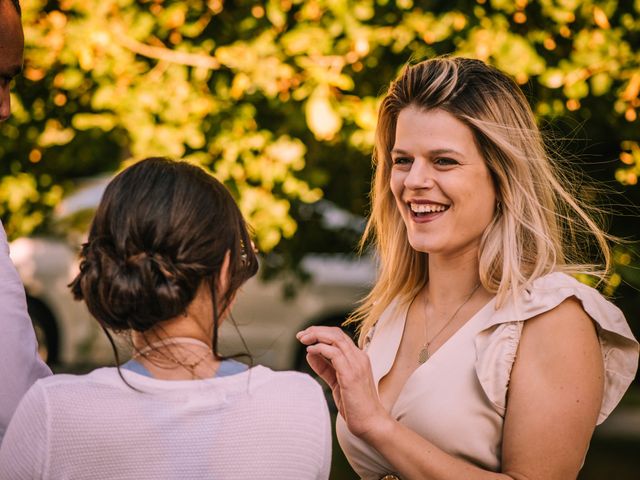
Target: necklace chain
{"points": [[151, 350], [424, 355]]}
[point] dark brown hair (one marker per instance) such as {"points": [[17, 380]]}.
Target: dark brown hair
{"points": [[161, 229]]}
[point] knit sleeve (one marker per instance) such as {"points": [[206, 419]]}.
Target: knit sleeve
{"points": [[325, 419], [497, 345], [20, 364], [23, 454]]}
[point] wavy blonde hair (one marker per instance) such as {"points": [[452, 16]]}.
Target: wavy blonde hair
{"points": [[539, 226]]}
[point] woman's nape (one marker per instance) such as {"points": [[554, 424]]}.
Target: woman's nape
{"points": [[167, 351]]}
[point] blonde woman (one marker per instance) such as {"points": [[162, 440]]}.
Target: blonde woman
{"points": [[481, 356]]}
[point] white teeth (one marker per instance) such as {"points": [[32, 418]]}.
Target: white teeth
{"points": [[426, 208]]}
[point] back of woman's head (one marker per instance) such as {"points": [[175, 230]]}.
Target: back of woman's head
{"points": [[538, 226], [161, 230]]}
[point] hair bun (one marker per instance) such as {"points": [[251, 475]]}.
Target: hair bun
{"points": [[133, 291]]}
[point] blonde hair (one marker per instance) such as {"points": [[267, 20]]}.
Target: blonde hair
{"points": [[539, 226]]}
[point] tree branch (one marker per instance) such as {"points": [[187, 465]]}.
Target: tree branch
{"points": [[167, 55]]}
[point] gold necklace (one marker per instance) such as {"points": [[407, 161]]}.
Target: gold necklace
{"points": [[151, 350], [424, 355]]}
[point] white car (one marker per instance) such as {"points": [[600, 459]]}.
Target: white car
{"points": [[268, 322]]}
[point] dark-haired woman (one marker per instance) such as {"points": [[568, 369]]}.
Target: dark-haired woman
{"points": [[166, 254]]}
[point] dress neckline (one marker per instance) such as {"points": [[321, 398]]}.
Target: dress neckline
{"points": [[397, 332]]}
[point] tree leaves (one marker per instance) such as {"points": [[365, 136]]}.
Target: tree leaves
{"points": [[279, 98]]}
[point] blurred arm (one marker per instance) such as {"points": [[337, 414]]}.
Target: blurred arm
{"points": [[20, 365], [24, 449]]}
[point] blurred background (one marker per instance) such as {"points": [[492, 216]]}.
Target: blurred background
{"points": [[278, 100]]}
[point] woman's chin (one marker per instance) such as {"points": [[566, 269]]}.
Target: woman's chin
{"points": [[425, 247]]}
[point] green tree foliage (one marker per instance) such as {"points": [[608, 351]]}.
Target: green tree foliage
{"points": [[278, 98]]}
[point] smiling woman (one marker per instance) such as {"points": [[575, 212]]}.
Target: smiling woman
{"points": [[481, 357]]}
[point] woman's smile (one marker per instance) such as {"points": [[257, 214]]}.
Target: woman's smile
{"points": [[426, 211]]}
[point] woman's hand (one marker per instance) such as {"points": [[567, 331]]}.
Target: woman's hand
{"points": [[347, 371]]}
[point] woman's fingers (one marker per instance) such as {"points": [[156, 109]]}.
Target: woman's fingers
{"points": [[323, 368], [349, 362], [332, 354], [328, 335], [350, 378], [352, 369]]}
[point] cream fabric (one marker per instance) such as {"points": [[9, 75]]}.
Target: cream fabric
{"points": [[255, 424], [457, 399]]}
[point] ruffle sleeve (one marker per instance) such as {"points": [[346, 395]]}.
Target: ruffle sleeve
{"points": [[496, 345]]}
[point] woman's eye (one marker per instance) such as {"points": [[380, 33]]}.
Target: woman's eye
{"points": [[444, 161], [401, 160]]}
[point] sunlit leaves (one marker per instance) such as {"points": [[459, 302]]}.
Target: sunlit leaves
{"points": [[55, 134], [275, 97], [322, 118], [87, 121], [630, 158]]}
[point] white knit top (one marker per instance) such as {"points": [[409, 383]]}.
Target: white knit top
{"points": [[256, 424]]}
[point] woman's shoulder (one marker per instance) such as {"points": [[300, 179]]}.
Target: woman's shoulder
{"points": [[549, 291], [73, 385], [564, 305], [289, 394], [69, 380], [60, 390], [291, 379], [255, 385]]}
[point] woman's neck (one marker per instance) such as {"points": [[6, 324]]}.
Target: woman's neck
{"points": [[179, 349], [177, 358], [452, 278]]}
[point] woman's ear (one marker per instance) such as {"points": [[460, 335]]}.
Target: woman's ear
{"points": [[222, 283]]}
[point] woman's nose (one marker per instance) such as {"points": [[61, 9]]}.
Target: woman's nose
{"points": [[420, 176]]}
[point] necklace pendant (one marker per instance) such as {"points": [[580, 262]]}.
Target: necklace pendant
{"points": [[423, 356]]}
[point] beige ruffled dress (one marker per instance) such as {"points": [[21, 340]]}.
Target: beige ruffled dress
{"points": [[457, 399]]}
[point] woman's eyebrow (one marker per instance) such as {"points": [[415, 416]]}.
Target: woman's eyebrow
{"points": [[437, 151]]}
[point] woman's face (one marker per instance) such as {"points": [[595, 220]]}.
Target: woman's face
{"points": [[442, 186]]}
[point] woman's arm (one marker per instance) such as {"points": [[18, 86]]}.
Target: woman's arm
{"points": [[554, 397], [555, 394], [20, 365]]}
